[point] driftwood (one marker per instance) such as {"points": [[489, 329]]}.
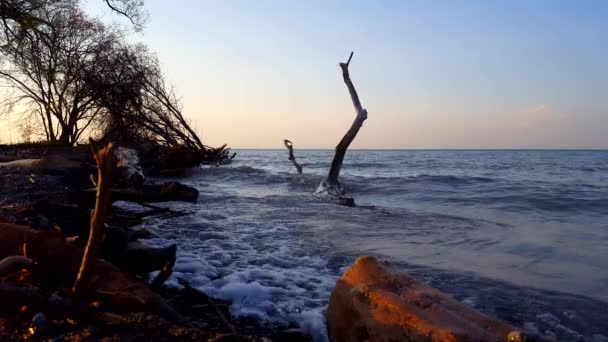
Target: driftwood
{"points": [[218, 156], [292, 158], [157, 160], [103, 157], [172, 191], [331, 185]]}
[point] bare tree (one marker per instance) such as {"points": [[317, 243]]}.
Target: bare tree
{"points": [[76, 75], [24, 12], [331, 185], [129, 83], [46, 68], [131, 9]]}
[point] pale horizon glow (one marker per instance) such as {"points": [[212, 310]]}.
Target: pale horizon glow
{"points": [[457, 74]]}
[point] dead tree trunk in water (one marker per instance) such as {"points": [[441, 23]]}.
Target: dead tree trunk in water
{"points": [[103, 157], [289, 146], [331, 185]]}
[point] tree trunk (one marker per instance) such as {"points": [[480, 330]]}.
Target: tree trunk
{"points": [[64, 138], [66, 133], [331, 185]]}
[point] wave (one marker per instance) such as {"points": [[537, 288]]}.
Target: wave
{"points": [[529, 203], [450, 179], [490, 192], [407, 184], [243, 174], [428, 178]]}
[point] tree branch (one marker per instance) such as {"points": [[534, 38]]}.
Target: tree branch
{"points": [[331, 184], [103, 157], [289, 146]]}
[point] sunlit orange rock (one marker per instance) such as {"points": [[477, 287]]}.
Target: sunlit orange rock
{"points": [[371, 302]]}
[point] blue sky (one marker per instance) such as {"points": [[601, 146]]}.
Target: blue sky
{"points": [[432, 74]]}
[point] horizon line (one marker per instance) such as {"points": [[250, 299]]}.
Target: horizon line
{"points": [[436, 149]]}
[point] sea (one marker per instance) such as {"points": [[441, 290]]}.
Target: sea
{"points": [[521, 235]]}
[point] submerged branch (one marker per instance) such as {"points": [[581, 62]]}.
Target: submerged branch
{"points": [[292, 158]]}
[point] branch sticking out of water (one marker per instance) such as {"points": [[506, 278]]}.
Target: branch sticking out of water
{"points": [[331, 185], [289, 146]]}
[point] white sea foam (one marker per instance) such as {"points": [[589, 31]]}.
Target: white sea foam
{"points": [[262, 268]]}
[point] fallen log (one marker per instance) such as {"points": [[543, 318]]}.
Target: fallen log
{"points": [[292, 158], [372, 302], [172, 191], [331, 186]]}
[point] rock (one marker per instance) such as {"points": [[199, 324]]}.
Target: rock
{"points": [[21, 163], [58, 262], [128, 167], [39, 323], [47, 162], [141, 259], [14, 263], [371, 302]]}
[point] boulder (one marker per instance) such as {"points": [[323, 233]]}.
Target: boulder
{"points": [[128, 167], [372, 302]]}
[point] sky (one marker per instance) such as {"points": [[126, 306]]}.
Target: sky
{"points": [[432, 74]]}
